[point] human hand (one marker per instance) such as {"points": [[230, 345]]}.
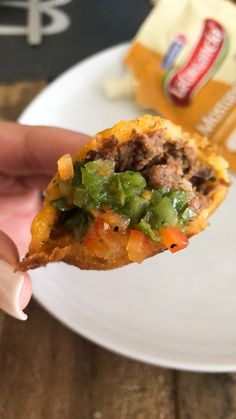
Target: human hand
{"points": [[27, 162]]}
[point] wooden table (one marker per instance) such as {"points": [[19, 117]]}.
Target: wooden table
{"points": [[48, 372]]}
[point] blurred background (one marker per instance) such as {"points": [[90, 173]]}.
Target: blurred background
{"points": [[71, 31]]}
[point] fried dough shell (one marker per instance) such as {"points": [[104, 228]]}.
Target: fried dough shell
{"points": [[44, 249]]}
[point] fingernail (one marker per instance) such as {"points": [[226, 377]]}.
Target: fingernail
{"points": [[26, 291], [11, 291]]}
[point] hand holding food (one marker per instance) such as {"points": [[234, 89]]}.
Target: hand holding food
{"points": [[28, 160]]}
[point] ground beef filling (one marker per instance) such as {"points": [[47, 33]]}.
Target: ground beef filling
{"points": [[163, 164]]}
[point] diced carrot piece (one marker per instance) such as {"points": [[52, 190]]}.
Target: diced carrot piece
{"points": [[174, 239], [104, 242], [65, 167], [139, 246], [116, 221], [93, 239]]}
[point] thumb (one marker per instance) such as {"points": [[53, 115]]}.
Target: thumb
{"points": [[15, 287]]}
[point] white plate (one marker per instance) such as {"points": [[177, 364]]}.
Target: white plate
{"points": [[173, 310]]}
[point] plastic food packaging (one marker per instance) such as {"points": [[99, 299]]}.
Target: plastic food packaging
{"points": [[183, 65]]}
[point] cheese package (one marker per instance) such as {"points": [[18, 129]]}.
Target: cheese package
{"points": [[183, 64]]}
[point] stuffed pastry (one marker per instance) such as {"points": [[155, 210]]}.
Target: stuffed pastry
{"points": [[135, 190]]}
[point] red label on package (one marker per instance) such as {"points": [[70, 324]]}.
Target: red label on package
{"points": [[204, 60]]}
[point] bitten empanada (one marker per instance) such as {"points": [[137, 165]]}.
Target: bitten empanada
{"points": [[135, 190]]}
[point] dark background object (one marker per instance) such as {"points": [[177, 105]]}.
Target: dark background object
{"points": [[94, 25]]}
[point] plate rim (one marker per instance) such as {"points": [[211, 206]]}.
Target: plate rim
{"points": [[135, 356]]}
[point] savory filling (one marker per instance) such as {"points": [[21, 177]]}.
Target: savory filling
{"points": [[146, 186]]}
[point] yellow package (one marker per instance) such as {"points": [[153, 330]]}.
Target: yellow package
{"points": [[183, 61]]}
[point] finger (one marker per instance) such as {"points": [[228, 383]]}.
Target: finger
{"points": [[26, 292], [16, 215], [31, 150], [12, 185], [8, 250], [15, 287], [35, 181]]}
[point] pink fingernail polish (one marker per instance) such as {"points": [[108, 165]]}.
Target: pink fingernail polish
{"points": [[26, 292], [11, 285]]}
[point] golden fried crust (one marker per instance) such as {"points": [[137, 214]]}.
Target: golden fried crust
{"points": [[68, 255], [43, 249]]}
